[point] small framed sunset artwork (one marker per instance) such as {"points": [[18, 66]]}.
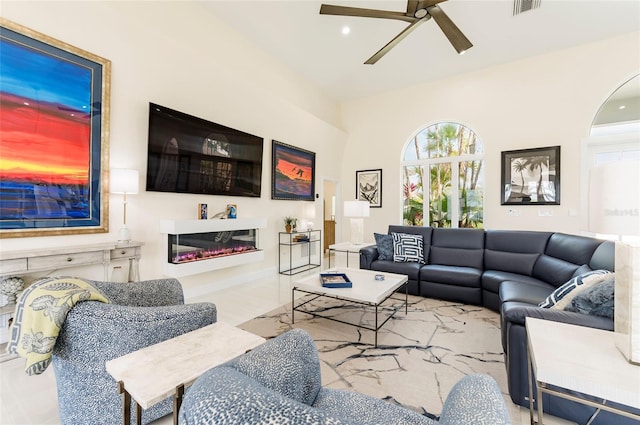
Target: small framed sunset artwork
{"points": [[54, 121], [294, 173]]}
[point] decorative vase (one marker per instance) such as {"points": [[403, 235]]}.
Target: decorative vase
{"points": [[10, 287], [287, 227]]}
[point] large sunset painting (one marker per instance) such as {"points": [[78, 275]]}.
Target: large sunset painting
{"points": [[293, 173], [50, 135]]}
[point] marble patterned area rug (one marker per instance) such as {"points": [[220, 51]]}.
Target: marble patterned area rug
{"points": [[420, 355]]}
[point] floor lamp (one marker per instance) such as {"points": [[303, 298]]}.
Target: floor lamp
{"points": [[614, 205], [356, 210], [124, 181]]}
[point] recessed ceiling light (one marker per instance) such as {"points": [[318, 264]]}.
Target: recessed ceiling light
{"points": [[346, 30], [621, 107]]}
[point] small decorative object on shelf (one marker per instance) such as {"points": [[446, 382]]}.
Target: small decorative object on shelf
{"points": [[202, 211], [290, 224], [10, 287], [335, 280], [302, 237], [232, 211]]}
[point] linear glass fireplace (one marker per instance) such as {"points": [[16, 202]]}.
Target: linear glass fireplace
{"points": [[189, 247]]}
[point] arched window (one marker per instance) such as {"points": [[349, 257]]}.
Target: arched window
{"points": [[443, 177]]}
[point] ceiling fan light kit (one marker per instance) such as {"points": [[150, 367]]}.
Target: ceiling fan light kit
{"points": [[418, 11]]}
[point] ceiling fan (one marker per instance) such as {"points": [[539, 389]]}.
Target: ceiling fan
{"points": [[418, 11]]}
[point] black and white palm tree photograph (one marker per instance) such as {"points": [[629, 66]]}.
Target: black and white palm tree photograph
{"points": [[531, 176]]}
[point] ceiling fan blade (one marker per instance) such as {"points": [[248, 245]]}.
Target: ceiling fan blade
{"points": [[412, 6], [397, 39], [450, 30], [328, 9]]}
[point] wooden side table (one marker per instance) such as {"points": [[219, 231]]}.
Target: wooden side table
{"points": [[582, 359], [154, 373]]}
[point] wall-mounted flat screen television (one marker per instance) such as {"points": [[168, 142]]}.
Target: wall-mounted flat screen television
{"points": [[187, 154]]}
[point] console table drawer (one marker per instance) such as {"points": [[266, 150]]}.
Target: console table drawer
{"points": [[16, 265], [118, 253], [66, 260]]}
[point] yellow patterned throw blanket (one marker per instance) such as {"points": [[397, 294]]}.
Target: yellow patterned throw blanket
{"points": [[40, 313]]}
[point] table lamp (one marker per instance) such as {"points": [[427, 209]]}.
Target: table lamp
{"points": [[124, 181], [614, 205], [356, 210]]}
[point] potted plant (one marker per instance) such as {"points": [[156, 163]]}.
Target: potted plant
{"points": [[289, 224]]}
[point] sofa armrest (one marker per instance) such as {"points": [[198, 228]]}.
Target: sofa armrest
{"points": [[475, 396], [516, 312], [368, 255]]}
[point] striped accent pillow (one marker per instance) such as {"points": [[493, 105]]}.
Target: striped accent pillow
{"points": [[562, 296], [407, 248]]}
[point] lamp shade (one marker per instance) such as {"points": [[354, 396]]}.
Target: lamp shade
{"points": [[356, 209], [124, 181], [614, 198]]}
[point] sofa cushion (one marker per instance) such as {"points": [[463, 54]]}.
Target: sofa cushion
{"points": [[559, 298], [572, 248], [597, 300], [407, 248], [517, 241], [384, 244], [411, 270], [524, 292], [457, 247], [513, 262], [554, 270], [491, 279], [451, 275]]}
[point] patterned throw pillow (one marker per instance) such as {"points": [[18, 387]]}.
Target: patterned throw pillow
{"points": [[407, 248], [564, 294], [384, 243]]}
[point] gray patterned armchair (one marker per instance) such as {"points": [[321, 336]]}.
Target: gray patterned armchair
{"points": [[279, 382], [140, 314]]}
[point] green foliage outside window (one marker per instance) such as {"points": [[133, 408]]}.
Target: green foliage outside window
{"points": [[439, 150]]}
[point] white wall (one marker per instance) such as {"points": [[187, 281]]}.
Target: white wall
{"points": [[542, 101], [177, 55]]}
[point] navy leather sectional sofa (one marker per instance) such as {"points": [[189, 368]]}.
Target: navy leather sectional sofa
{"points": [[510, 272]]}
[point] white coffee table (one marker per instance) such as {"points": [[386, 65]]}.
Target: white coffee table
{"points": [[154, 373], [366, 290], [581, 359]]}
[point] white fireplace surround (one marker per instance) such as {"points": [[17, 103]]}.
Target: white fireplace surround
{"points": [[181, 227]]}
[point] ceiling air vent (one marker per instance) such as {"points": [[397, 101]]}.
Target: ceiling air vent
{"points": [[520, 6]]}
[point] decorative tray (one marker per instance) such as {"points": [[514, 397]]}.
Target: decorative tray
{"points": [[335, 280]]}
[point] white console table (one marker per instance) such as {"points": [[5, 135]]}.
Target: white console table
{"points": [[15, 263]]}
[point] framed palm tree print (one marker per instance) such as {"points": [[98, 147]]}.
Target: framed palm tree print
{"points": [[531, 176]]}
